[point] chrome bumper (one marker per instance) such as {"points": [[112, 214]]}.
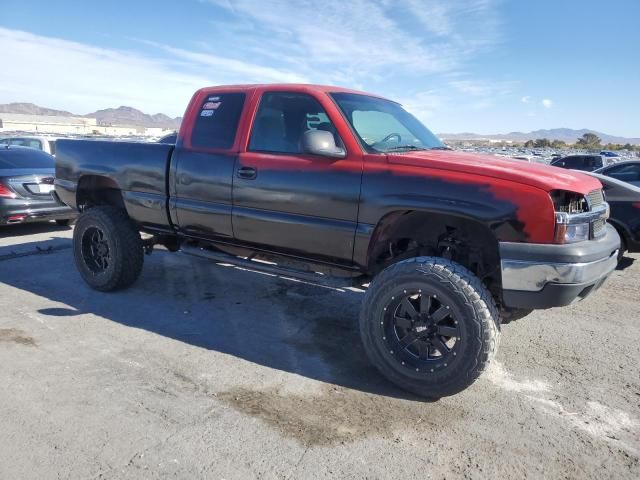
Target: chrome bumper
{"points": [[532, 276], [545, 276]]}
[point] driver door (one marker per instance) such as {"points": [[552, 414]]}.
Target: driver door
{"points": [[289, 201]]}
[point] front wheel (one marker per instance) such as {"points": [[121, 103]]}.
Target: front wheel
{"points": [[107, 249], [429, 326]]}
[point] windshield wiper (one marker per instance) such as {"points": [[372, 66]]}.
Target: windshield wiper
{"points": [[443, 147], [404, 147]]}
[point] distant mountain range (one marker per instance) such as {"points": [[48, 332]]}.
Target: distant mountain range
{"points": [[130, 116], [565, 134], [115, 116]]}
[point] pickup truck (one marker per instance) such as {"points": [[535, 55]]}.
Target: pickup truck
{"points": [[348, 187]]}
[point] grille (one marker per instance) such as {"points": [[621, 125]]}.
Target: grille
{"points": [[595, 199], [598, 227]]}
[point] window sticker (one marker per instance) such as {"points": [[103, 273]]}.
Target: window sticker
{"points": [[211, 105], [213, 99], [207, 113]]}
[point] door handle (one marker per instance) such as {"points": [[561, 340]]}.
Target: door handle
{"points": [[248, 173]]}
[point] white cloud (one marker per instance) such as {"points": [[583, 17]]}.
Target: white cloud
{"points": [[471, 87], [525, 99], [425, 104], [366, 44], [249, 71], [546, 103], [62, 74], [345, 42], [469, 24], [81, 78], [481, 88]]}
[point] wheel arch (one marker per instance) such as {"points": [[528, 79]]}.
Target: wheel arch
{"points": [[403, 234], [95, 190]]}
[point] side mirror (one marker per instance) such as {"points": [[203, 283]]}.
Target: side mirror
{"points": [[320, 142]]}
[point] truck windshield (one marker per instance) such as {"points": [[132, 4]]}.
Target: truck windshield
{"points": [[384, 126]]}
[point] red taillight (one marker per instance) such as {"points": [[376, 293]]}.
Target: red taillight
{"points": [[637, 204], [5, 192], [16, 218]]}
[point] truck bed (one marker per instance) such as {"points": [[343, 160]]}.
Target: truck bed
{"points": [[138, 170]]}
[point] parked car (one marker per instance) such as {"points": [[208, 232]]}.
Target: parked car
{"points": [[586, 163], [624, 171], [524, 158], [169, 138], [624, 202], [46, 144], [330, 180], [27, 188], [608, 153]]}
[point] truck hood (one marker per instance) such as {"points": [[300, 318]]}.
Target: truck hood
{"points": [[537, 175]]}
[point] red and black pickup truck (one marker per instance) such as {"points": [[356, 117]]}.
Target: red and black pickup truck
{"points": [[350, 185]]}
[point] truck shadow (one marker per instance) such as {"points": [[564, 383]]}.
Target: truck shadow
{"points": [[287, 325], [625, 262], [21, 230]]}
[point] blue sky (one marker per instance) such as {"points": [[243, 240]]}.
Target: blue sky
{"points": [[486, 66]]}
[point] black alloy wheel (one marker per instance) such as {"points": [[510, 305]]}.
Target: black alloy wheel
{"points": [[95, 250], [421, 331]]}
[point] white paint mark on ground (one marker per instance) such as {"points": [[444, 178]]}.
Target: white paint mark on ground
{"points": [[497, 375], [597, 420]]}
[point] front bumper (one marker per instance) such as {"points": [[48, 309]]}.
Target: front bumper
{"points": [[538, 276]]}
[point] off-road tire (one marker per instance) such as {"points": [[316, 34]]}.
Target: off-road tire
{"points": [[471, 303], [124, 244]]}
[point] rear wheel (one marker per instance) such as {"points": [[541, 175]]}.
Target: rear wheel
{"points": [[107, 249], [429, 326]]}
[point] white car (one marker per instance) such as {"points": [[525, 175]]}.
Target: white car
{"points": [[46, 144]]}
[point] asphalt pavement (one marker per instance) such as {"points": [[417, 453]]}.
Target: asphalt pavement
{"points": [[207, 371]]}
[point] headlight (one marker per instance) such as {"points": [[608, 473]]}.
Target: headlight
{"points": [[576, 214]]}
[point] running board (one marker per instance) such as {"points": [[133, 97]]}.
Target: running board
{"points": [[272, 268]]}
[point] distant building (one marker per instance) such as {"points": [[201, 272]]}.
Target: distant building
{"points": [[61, 125], [18, 122]]}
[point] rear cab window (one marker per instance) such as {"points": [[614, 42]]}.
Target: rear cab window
{"points": [[216, 122]]}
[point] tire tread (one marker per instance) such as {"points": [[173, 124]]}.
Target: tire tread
{"points": [[468, 287], [128, 265]]}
